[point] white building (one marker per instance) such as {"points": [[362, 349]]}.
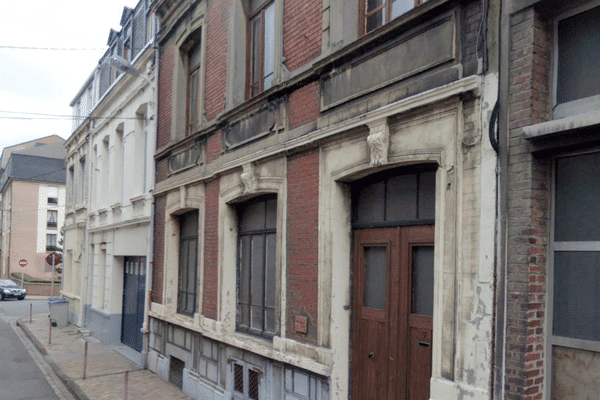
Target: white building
{"points": [[109, 188]]}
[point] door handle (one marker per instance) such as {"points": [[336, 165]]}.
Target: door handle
{"points": [[371, 355], [424, 344]]}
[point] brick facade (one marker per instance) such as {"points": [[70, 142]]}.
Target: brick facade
{"points": [[301, 32], [159, 249], [302, 243], [165, 90], [528, 207], [292, 145], [304, 105], [216, 56], [211, 251]]}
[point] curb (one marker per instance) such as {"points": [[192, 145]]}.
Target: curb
{"points": [[69, 383]]}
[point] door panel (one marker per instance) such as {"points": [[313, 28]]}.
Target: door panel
{"points": [[392, 313], [134, 287], [375, 251]]}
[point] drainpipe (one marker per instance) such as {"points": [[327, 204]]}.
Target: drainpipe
{"points": [[502, 207], [84, 261], [150, 257]]}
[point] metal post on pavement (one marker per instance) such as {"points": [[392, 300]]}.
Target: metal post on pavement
{"points": [[30, 311], [85, 347], [126, 384], [52, 282], [49, 331]]}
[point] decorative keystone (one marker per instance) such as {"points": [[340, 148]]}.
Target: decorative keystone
{"points": [[248, 178], [379, 142]]}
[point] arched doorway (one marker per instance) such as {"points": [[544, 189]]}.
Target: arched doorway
{"points": [[393, 217]]}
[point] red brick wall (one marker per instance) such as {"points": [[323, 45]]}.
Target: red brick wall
{"points": [[211, 250], [304, 105], [162, 171], [213, 147], [41, 289], [216, 56], [528, 207], [165, 92], [302, 21], [159, 243], [302, 243]]}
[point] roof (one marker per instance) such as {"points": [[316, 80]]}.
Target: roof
{"points": [[7, 151], [52, 150], [40, 163]]}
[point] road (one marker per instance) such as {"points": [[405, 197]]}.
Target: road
{"points": [[20, 375]]}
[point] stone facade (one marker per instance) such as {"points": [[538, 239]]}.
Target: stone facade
{"points": [[338, 110]]}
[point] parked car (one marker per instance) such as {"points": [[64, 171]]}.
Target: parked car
{"points": [[8, 289]]}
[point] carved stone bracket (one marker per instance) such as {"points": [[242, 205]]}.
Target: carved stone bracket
{"points": [[379, 142], [248, 178]]}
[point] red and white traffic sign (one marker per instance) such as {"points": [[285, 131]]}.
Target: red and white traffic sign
{"points": [[23, 262]]}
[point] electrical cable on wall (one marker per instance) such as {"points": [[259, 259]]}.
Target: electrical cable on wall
{"points": [[494, 127]]}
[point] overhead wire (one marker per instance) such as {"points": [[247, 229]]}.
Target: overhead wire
{"points": [[11, 47], [44, 116]]}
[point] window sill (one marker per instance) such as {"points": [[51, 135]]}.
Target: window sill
{"points": [[561, 126], [312, 358], [138, 199]]}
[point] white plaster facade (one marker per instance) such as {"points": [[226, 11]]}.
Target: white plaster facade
{"points": [[110, 181]]}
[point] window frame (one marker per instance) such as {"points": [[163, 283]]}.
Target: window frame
{"points": [[247, 370], [180, 107], [194, 76], [52, 244], [240, 208], [554, 246], [259, 11], [364, 14], [52, 224], [53, 200], [182, 307], [578, 106]]}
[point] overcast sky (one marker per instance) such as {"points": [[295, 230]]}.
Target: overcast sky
{"points": [[36, 81]]}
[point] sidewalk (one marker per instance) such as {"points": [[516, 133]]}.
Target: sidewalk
{"points": [[105, 372]]}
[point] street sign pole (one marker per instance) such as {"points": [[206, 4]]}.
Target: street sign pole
{"points": [[22, 264], [52, 284]]}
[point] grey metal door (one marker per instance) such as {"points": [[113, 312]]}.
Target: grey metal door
{"points": [[134, 287]]}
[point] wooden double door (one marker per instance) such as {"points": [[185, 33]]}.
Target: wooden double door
{"points": [[392, 313]]}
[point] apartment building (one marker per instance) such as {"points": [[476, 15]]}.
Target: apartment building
{"points": [[109, 188], [325, 199], [32, 186]]}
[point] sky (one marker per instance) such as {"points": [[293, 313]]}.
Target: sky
{"points": [[37, 85]]}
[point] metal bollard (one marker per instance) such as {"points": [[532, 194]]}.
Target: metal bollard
{"points": [[126, 384], [30, 311], [49, 331], [85, 352]]}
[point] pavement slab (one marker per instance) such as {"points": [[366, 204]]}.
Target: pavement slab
{"points": [[105, 368]]}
